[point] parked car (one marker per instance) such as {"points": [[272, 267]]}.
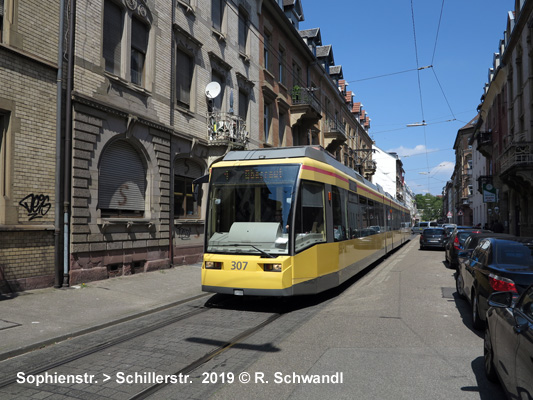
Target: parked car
{"points": [[433, 237], [472, 241], [456, 241], [420, 226], [508, 345], [449, 228], [495, 265]]}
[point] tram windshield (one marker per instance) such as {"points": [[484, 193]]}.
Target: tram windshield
{"points": [[250, 209]]}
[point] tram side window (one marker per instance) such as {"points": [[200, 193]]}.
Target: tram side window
{"points": [[309, 220], [354, 223], [338, 200]]}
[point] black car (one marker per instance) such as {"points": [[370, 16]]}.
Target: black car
{"points": [[496, 265], [472, 241], [456, 241], [508, 346], [433, 237]]}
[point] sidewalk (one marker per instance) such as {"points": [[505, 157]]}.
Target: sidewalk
{"points": [[35, 318]]}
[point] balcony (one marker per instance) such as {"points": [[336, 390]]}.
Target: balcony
{"points": [[304, 105], [484, 143], [334, 134], [369, 167], [517, 156], [226, 129]]}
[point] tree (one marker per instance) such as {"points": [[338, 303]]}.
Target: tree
{"points": [[429, 206]]}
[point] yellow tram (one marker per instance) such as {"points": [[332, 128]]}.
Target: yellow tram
{"points": [[293, 221]]}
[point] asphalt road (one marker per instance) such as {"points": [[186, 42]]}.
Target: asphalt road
{"points": [[399, 332]]}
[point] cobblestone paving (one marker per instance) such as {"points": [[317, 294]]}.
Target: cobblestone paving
{"points": [[159, 353]]}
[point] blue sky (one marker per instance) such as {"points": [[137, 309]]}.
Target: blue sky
{"points": [[375, 38]]}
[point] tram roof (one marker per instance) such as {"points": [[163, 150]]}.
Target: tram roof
{"points": [[315, 152]]}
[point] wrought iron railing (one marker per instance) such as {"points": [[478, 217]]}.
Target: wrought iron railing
{"points": [[517, 154], [332, 126], [227, 127]]}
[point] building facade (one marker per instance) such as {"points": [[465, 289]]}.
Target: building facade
{"points": [[145, 97], [29, 75]]}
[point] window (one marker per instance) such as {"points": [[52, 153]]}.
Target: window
{"points": [[125, 40], [266, 50], [243, 30], [217, 14], [185, 205], [310, 219], [113, 29], [296, 74], [218, 102], [339, 213], [121, 181], [1, 19], [139, 45], [184, 72], [281, 68], [243, 105], [3, 161], [282, 124], [267, 119]]}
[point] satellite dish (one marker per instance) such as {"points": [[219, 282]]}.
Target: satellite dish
{"points": [[212, 90]]}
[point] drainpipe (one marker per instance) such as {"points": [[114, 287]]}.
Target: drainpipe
{"points": [[68, 146], [57, 215], [172, 147]]}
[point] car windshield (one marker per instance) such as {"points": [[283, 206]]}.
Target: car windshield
{"points": [[514, 253], [250, 209]]}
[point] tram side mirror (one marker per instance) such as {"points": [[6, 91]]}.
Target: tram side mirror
{"points": [[197, 188]]}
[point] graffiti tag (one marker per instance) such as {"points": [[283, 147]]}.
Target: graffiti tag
{"points": [[37, 206], [183, 232]]}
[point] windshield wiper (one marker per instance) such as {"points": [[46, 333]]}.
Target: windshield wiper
{"points": [[264, 254]]}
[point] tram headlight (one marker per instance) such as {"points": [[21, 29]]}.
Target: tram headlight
{"points": [[272, 267], [213, 265]]}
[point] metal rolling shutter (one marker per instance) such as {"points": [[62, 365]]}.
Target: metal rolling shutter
{"points": [[122, 180]]}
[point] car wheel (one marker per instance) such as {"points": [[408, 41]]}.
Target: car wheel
{"points": [[459, 285], [488, 353], [477, 323]]}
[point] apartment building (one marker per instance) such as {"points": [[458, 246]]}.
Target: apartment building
{"points": [[151, 93], [29, 208]]}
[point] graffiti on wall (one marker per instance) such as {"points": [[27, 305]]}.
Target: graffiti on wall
{"points": [[36, 205]]}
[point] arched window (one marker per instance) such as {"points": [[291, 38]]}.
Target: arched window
{"points": [[121, 181], [185, 204]]}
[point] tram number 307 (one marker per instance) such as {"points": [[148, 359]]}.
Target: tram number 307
{"points": [[239, 265]]}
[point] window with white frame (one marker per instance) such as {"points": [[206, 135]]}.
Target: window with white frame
{"points": [[126, 32]]}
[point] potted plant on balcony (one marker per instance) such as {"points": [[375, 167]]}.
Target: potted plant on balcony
{"points": [[296, 93]]}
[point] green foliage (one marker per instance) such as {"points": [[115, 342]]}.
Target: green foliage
{"points": [[429, 206]]}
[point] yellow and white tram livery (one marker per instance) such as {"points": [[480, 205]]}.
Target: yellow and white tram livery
{"points": [[293, 221]]}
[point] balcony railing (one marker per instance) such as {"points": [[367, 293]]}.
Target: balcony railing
{"points": [[304, 97], [225, 128], [519, 154], [334, 127]]}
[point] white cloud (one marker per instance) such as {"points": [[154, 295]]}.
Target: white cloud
{"points": [[407, 152], [444, 168]]}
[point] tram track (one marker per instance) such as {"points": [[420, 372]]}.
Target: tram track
{"points": [[105, 345], [207, 357], [253, 322]]}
